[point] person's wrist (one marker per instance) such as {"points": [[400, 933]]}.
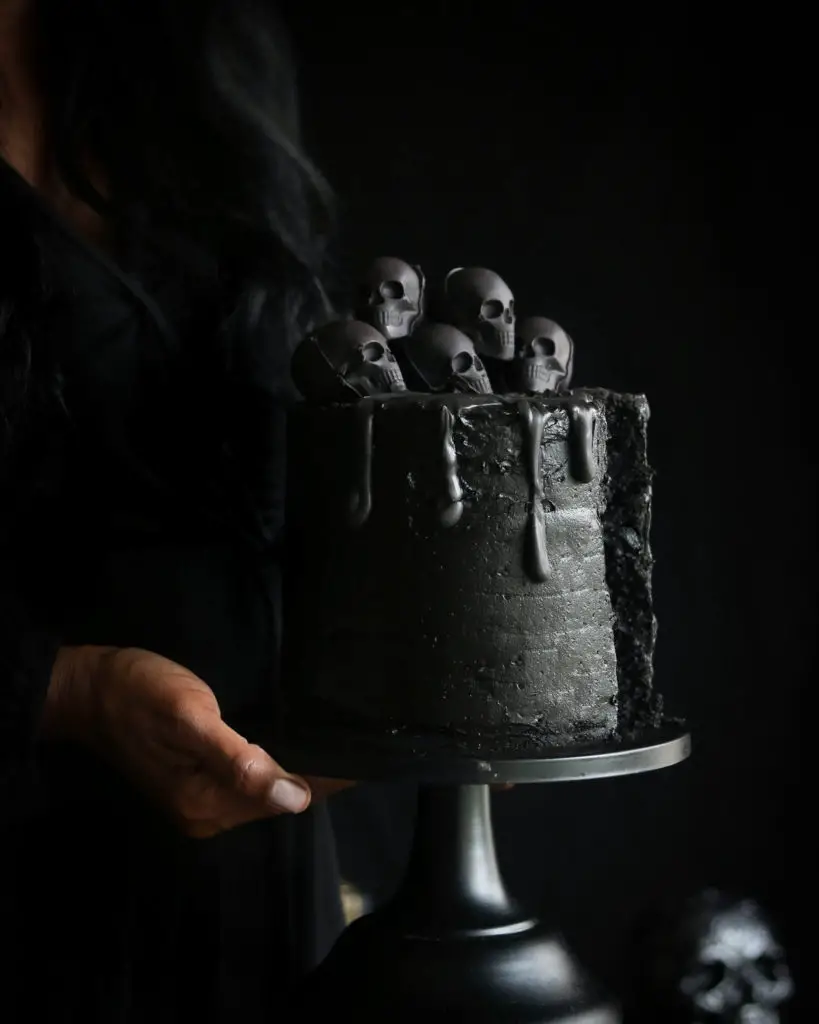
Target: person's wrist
{"points": [[70, 711]]}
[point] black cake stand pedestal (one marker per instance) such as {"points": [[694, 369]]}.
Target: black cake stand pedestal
{"points": [[452, 945]]}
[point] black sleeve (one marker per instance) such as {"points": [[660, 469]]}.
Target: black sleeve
{"points": [[28, 647], [27, 654]]}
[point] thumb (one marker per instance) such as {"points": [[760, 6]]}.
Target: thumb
{"points": [[251, 773]]}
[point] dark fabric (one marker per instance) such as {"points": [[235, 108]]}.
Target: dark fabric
{"points": [[144, 508], [27, 652]]}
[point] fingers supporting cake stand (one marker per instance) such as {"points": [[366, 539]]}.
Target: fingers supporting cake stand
{"points": [[453, 945]]}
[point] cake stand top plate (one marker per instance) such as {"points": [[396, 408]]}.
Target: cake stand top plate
{"points": [[656, 748]]}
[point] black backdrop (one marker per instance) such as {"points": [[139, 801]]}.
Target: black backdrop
{"points": [[636, 182]]}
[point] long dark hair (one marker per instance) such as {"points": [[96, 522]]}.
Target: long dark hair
{"points": [[188, 110]]}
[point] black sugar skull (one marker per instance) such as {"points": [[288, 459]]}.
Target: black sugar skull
{"points": [[444, 359], [344, 361], [544, 356], [391, 296], [716, 963], [481, 304]]}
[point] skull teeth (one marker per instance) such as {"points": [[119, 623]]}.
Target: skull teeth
{"points": [[476, 384], [388, 317], [535, 378]]}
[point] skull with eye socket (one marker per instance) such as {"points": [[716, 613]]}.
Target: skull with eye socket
{"points": [[391, 296], [441, 358], [544, 357], [717, 962], [480, 303], [344, 361]]}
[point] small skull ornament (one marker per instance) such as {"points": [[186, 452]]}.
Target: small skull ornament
{"points": [[344, 361], [717, 963], [544, 356], [444, 359], [481, 304], [391, 296]]}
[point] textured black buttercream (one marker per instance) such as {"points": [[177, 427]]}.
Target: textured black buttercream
{"points": [[626, 535], [470, 572]]}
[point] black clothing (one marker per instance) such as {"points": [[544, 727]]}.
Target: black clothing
{"points": [[142, 506]]}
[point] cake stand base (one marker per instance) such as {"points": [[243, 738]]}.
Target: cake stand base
{"points": [[453, 945]]}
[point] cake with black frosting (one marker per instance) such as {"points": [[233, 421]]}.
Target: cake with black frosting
{"points": [[466, 571]]}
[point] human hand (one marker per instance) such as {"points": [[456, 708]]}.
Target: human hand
{"points": [[161, 726]]}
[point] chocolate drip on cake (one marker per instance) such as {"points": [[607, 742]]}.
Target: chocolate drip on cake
{"points": [[536, 557], [581, 442], [361, 500], [452, 506]]}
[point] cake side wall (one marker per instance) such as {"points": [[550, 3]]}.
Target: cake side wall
{"points": [[404, 622], [629, 560]]}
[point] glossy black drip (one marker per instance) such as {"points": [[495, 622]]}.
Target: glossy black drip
{"points": [[536, 554], [582, 419], [452, 505], [361, 500]]}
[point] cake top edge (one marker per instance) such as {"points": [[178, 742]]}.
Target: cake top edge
{"points": [[462, 402]]}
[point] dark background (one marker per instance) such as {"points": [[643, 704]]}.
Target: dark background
{"points": [[639, 182]]}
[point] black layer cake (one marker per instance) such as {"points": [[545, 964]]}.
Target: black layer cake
{"points": [[470, 571]]}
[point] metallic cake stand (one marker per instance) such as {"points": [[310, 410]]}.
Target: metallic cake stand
{"points": [[452, 945]]}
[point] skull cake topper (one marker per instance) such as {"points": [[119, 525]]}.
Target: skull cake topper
{"points": [[444, 359], [544, 356], [344, 361], [716, 963], [481, 304], [391, 296]]}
